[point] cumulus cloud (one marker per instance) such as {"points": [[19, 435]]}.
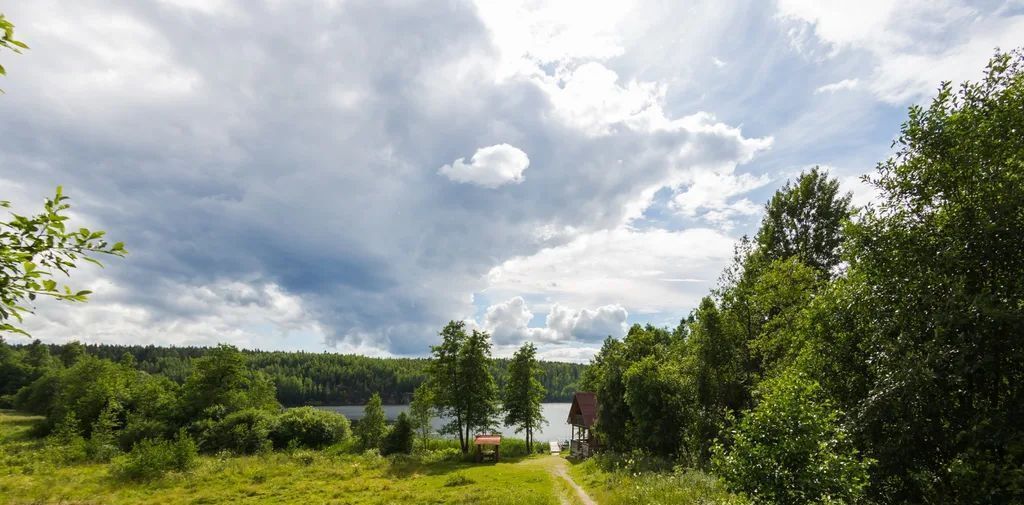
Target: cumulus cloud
{"points": [[710, 194], [508, 323], [645, 271], [489, 167]]}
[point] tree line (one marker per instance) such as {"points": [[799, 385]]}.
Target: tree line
{"points": [[300, 378], [851, 355]]}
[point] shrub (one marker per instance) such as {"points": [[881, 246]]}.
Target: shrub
{"points": [[243, 432], [399, 440], [310, 427], [102, 445], [151, 459], [66, 443], [791, 449], [138, 427]]}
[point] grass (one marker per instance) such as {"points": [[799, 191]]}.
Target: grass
{"points": [[300, 477], [621, 487]]}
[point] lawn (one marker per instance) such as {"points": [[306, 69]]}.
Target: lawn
{"points": [[301, 477]]}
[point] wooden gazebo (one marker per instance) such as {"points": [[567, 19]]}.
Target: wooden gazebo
{"points": [[487, 446], [582, 416]]}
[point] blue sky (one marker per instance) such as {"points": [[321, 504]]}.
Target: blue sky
{"points": [[350, 175]]}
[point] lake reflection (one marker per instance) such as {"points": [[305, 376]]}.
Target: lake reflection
{"points": [[555, 413]]}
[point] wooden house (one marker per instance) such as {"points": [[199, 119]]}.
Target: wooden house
{"points": [[582, 417]]}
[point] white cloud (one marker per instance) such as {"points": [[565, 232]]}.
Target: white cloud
{"points": [[586, 324], [247, 314], [916, 44], [490, 166], [845, 84], [862, 192], [709, 194], [508, 323], [529, 34], [635, 269]]}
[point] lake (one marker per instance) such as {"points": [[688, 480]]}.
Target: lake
{"points": [[555, 413]]}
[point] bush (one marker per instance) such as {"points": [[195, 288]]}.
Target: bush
{"points": [[102, 445], [399, 440], [66, 443], [151, 459], [791, 449], [138, 427], [243, 432], [310, 427]]}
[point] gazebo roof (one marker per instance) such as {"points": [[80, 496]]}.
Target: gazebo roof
{"points": [[487, 440], [584, 409]]}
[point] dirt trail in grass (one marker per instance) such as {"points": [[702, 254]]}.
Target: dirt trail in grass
{"points": [[558, 467]]}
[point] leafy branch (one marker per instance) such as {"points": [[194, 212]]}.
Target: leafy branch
{"points": [[35, 248]]}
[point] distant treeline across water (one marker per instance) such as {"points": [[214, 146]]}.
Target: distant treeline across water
{"points": [[306, 378]]}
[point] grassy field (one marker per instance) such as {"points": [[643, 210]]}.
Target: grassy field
{"points": [[28, 475], [301, 477], [650, 488]]}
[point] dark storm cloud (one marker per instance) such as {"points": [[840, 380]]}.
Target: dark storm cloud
{"points": [[299, 145]]}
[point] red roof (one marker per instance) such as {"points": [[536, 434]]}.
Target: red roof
{"points": [[487, 440], [583, 410]]}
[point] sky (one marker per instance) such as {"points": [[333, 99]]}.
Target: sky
{"points": [[349, 175]]}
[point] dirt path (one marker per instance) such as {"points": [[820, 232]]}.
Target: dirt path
{"points": [[559, 468]]}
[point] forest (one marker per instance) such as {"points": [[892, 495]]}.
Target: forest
{"points": [[300, 378]]}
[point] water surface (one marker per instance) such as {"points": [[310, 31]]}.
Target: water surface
{"points": [[555, 413]]}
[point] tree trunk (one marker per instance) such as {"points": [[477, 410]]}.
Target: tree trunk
{"points": [[462, 440]]}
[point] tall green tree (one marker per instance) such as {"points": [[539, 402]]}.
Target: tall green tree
{"points": [[480, 393], [938, 270], [447, 382], [35, 249], [421, 412], [373, 425], [805, 219], [524, 393]]}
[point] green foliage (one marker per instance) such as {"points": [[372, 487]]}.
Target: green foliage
{"points": [[65, 444], [243, 432], [310, 427], [152, 459], [90, 386], [462, 386], [372, 427], [103, 444], [804, 220], [421, 411], [221, 381], [400, 438], [524, 393], [304, 378], [937, 275], [7, 41], [791, 449], [34, 248]]}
